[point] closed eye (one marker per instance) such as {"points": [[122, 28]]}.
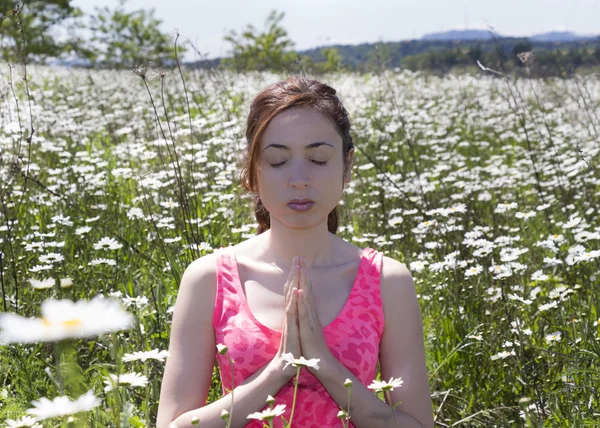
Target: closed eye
{"points": [[277, 165]]}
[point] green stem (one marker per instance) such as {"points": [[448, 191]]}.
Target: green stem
{"points": [[348, 420], [387, 393], [232, 389], [295, 391], [146, 371]]}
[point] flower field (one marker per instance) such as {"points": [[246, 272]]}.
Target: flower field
{"points": [[486, 187]]}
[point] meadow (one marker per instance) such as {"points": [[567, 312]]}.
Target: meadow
{"points": [[486, 187]]}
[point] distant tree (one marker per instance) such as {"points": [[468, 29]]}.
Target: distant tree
{"points": [[27, 28], [333, 60], [126, 39], [261, 51]]}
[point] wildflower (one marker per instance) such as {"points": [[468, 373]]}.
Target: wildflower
{"points": [[418, 265], [82, 230], [475, 270], [154, 354], [270, 399], [169, 204], [268, 414], [51, 258], [386, 386], [348, 383], [135, 213], [62, 220], [39, 268], [127, 379], [41, 284], [503, 354], [302, 362], [107, 244], [139, 301], [547, 306], [221, 349], [553, 337], [66, 282], [62, 319], [62, 406], [25, 421], [526, 215], [101, 260], [539, 276]]}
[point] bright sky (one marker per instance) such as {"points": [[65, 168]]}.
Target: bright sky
{"points": [[312, 23]]}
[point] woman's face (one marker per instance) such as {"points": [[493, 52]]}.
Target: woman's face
{"points": [[301, 172]]}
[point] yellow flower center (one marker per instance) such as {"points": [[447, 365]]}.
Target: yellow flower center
{"points": [[67, 323]]}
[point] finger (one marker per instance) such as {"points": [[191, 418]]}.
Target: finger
{"points": [[301, 279], [293, 306], [307, 287], [289, 283]]}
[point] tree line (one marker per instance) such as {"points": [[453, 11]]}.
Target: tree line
{"points": [[117, 38]]}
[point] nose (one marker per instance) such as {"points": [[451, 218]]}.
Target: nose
{"points": [[299, 176]]}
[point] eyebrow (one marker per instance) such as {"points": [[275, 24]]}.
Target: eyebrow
{"points": [[309, 146]]}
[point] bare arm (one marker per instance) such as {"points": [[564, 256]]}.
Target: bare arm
{"points": [[192, 349], [250, 397]]}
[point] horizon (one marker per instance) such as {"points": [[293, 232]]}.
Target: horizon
{"points": [[338, 22]]}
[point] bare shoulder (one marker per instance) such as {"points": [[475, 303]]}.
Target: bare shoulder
{"points": [[397, 283], [199, 280]]}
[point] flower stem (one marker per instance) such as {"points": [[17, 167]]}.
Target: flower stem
{"points": [[387, 393], [295, 391], [232, 389], [348, 420]]}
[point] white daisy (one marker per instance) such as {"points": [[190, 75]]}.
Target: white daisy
{"points": [[553, 337], [154, 354], [539, 276], [503, 354], [51, 258], [63, 405], [474, 270], [107, 244], [127, 379], [62, 319], [66, 282], [386, 386], [302, 362], [82, 230], [268, 414], [102, 260], [42, 284], [25, 421]]}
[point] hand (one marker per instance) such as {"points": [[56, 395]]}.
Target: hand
{"points": [[290, 339], [312, 339]]}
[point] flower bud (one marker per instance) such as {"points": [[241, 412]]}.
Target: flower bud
{"points": [[348, 383], [195, 420], [224, 414], [221, 349], [270, 400]]}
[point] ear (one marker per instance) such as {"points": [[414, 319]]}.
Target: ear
{"points": [[348, 175]]}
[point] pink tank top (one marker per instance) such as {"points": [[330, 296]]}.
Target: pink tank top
{"points": [[353, 338]]}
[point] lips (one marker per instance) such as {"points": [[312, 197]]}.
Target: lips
{"points": [[300, 201]]}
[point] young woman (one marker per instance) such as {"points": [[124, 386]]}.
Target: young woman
{"points": [[296, 288]]}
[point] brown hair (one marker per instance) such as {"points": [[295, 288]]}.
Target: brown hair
{"points": [[295, 91]]}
